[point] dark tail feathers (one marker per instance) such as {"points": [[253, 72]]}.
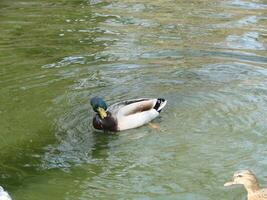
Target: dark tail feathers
{"points": [[160, 104]]}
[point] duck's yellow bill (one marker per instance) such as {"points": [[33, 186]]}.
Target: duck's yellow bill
{"points": [[228, 184], [102, 113]]}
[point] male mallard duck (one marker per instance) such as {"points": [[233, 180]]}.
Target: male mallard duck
{"points": [[125, 115], [248, 179], [4, 195]]}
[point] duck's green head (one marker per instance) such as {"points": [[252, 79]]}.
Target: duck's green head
{"points": [[99, 106]]}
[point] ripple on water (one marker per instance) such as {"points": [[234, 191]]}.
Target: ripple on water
{"points": [[207, 58], [247, 5], [65, 62], [248, 40]]}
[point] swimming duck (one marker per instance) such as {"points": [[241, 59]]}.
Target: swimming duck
{"points": [[248, 179], [4, 195], [125, 115]]}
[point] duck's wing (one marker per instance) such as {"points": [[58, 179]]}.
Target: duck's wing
{"points": [[133, 106], [137, 112], [123, 106]]}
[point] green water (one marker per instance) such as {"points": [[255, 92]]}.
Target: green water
{"points": [[207, 58]]}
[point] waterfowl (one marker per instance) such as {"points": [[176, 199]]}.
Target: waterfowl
{"points": [[249, 180], [4, 195], [125, 115]]}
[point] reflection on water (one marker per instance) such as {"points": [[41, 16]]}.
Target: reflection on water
{"points": [[247, 41], [247, 5], [207, 58]]}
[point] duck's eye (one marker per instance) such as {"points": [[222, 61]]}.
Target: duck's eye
{"points": [[239, 176]]}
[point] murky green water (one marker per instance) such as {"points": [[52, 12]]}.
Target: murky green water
{"points": [[207, 58]]}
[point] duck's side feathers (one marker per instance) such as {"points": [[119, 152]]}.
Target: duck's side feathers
{"points": [[136, 120], [132, 107], [139, 112]]}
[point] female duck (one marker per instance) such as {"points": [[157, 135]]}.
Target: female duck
{"points": [[125, 115], [248, 179]]}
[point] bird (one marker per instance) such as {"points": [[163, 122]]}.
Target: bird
{"points": [[4, 195], [125, 115], [249, 180]]}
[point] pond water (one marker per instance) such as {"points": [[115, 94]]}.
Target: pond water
{"points": [[207, 58]]}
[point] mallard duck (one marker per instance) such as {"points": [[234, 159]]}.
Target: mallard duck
{"points": [[4, 195], [125, 115], [248, 179]]}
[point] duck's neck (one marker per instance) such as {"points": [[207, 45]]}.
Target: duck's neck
{"points": [[252, 187]]}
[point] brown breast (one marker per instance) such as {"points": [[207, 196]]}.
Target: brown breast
{"points": [[107, 124]]}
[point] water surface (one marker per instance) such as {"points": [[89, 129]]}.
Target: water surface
{"points": [[207, 58]]}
